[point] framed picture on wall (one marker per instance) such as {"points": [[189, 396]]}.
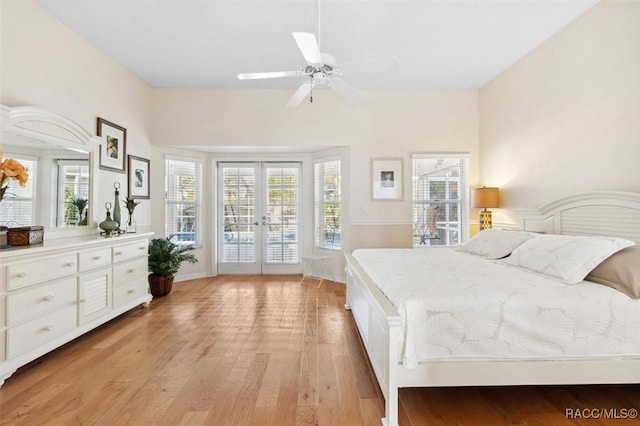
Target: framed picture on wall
{"points": [[386, 179], [138, 182], [113, 148]]}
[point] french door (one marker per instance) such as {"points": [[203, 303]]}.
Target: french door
{"points": [[259, 218]]}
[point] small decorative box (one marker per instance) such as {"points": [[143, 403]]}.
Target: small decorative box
{"points": [[25, 236]]}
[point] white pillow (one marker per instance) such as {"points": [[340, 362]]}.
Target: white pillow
{"points": [[495, 243], [567, 258]]}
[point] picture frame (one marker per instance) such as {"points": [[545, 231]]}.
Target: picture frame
{"points": [[387, 179], [138, 179], [113, 148]]}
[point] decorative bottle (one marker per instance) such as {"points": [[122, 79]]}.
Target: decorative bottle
{"points": [[116, 204], [108, 225]]}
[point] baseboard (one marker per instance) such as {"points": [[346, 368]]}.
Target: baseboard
{"points": [[188, 277], [338, 279]]}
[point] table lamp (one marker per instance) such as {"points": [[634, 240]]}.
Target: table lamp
{"points": [[484, 198]]}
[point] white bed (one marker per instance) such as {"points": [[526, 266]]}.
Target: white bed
{"points": [[568, 354]]}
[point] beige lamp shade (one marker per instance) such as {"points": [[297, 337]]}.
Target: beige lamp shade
{"points": [[485, 198]]}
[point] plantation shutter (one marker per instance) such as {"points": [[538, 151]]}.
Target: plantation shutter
{"points": [[327, 204], [440, 199], [182, 200]]}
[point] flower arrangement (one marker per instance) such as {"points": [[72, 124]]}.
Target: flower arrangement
{"points": [[11, 169]]}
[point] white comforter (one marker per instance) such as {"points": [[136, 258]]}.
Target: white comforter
{"points": [[457, 306]]}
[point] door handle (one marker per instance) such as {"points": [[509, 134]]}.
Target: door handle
{"points": [[256, 223], [264, 223]]}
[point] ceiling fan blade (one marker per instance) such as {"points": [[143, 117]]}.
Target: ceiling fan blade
{"points": [[348, 91], [275, 74], [308, 45], [300, 94]]}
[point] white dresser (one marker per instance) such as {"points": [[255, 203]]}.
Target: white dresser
{"points": [[55, 292]]}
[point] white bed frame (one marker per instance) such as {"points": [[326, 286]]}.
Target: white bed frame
{"points": [[598, 213]]}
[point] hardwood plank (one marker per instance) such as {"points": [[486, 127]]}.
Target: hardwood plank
{"points": [[348, 392], [328, 396]]}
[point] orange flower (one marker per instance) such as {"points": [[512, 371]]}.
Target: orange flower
{"points": [[12, 169]]}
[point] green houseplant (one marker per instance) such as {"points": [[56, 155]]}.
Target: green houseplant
{"points": [[80, 205], [165, 259]]}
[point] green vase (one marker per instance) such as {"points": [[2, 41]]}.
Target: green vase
{"points": [[108, 225], [116, 205]]}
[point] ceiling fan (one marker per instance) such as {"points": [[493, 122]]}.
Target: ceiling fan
{"points": [[321, 69]]}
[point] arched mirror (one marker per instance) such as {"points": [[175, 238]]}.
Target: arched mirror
{"points": [[61, 158]]}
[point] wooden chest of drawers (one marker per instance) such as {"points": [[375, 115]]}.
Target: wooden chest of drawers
{"points": [[51, 294]]}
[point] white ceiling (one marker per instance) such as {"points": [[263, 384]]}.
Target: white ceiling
{"points": [[453, 44]]}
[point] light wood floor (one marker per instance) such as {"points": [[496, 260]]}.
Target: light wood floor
{"points": [[257, 351]]}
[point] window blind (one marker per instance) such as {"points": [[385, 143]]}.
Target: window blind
{"points": [[17, 207], [327, 204], [182, 200], [440, 200], [282, 214]]}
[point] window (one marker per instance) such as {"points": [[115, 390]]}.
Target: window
{"points": [[18, 205], [73, 190], [183, 196], [440, 200], [328, 208]]}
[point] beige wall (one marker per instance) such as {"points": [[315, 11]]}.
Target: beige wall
{"points": [[47, 65], [393, 124], [566, 118]]}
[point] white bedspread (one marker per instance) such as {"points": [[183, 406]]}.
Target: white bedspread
{"points": [[457, 306]]}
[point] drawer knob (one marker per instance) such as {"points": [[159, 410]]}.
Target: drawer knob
{"points": [[83, 300], [131, 290], [69, 264], [118, 253], [130, 271], [142, 248], [21, 274], [50, 327], [96, 257], [49, 297]]}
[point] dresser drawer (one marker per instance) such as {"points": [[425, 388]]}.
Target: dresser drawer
{"points": [[29, 302], [37, 270], [3, 278], [130, 291], [130, 271], [129, 251], [41, 330], [2, 353], [94, 259], [2, 312]]}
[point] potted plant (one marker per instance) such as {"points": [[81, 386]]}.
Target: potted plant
{"points": [[165, 258], [80, 204]]}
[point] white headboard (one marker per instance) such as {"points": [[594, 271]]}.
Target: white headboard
{"points": [[607, 213]]}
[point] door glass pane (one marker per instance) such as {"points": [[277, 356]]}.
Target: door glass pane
{"points": [[281, 214], [238, 245]]}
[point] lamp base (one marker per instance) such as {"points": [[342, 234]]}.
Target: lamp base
{"points": [[485, 220]]}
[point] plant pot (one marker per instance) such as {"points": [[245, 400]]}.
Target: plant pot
{"points": [[160, 285]]}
